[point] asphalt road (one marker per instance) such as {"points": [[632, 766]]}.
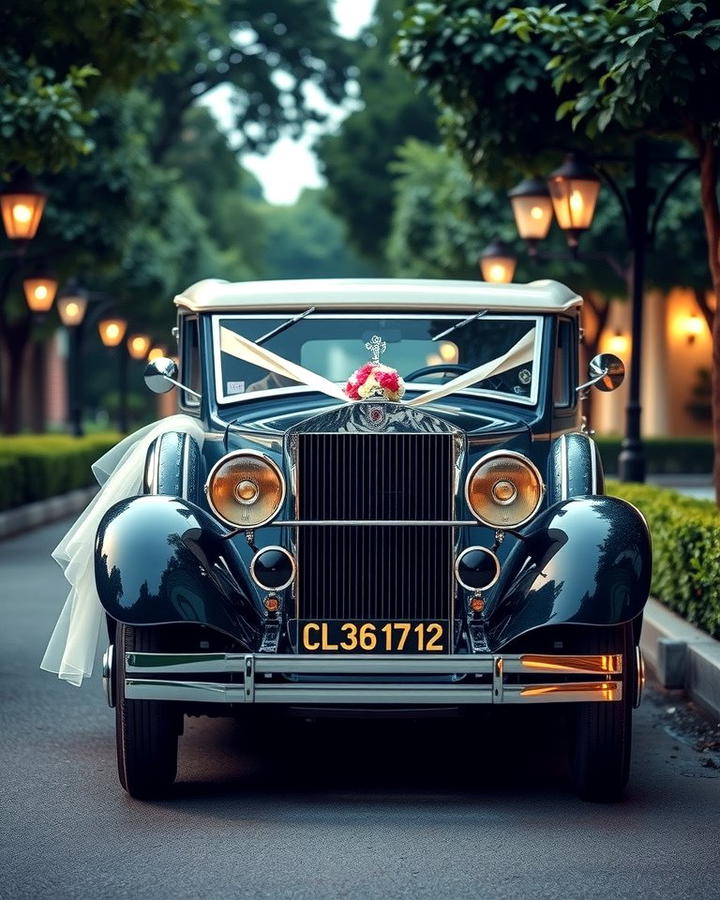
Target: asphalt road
{"points": [[440, 808]]}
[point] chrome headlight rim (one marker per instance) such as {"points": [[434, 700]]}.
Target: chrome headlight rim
{"points": [[489, 553], [245, 453], [513, 454], [287, 554]]}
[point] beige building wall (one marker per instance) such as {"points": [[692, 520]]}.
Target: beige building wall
{"points": [[676, 345]]}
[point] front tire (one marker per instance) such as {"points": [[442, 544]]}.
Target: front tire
{"points": [[603, 730], [146, 730]]}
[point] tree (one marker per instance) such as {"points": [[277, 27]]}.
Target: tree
{"points": [[357, 160], [56, 59], [306, 240], [514, 86], [276, 64]]}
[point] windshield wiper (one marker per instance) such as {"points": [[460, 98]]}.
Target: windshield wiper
{"points": [[285, 325], [461, 324]]}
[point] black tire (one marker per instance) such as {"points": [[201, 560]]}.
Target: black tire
{"points": [[603, 731], [146, 730]]}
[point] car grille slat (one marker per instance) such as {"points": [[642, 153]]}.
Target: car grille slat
{"points": [[379, 572]]}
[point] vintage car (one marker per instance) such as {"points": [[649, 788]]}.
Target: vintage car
{"points": [[323, 543]]}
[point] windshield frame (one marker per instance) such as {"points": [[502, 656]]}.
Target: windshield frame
{"points": [[224, 400]]}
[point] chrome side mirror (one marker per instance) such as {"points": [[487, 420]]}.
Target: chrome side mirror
{"points": [[161, 376], [606, 371]]}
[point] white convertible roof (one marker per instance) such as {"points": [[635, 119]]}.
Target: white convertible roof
{"points": [[409, 295]]}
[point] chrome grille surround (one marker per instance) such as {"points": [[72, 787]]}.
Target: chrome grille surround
{"points": [[375, 461]]}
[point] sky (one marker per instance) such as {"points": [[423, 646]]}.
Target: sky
{"points": [[291, 165]]}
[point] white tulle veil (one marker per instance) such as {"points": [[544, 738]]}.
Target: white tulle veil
{"points": [[73, 644]]}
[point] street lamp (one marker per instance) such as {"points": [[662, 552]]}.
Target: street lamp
{"points": [[22, 207], [138, 345], [39, 293], [112, 331], [497, 263], [533, 211], [72, 305], [156, 353], [574, 189]]}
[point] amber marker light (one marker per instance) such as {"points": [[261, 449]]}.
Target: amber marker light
{"points": [[39, 293], [112, 331], [138, 345]]}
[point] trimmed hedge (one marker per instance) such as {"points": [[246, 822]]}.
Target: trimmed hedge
{"points": [[686, 551], [35, 467], [664, 456]]}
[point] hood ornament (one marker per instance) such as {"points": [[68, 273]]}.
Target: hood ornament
{"points": [[374, 380], [377, 346]]}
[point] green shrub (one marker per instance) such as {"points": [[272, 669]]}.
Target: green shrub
{"points": [[664, 456], [35, 467], [10, 494], [686, 551]]}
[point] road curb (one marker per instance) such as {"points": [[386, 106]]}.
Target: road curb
{"points": [[681, 656], [33, 515]]}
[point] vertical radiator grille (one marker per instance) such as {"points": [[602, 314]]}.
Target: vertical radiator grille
{"points": [[369, 572]]}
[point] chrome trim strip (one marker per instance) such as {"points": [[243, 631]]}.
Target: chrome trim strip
{"points": [[639, 677], [185, 464], [301, 523], [251, 690], [334, 694], [593, 465], [225, 399], [564, 474]]}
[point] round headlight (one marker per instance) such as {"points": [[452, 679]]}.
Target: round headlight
{"points": [[245, 489], [504, 489]]}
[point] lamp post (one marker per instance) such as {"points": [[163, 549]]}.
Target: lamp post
{"points": [[497, 263], [574, 189], [112, 330], [72, 305]]}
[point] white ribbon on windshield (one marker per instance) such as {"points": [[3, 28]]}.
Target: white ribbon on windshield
{"points": [[520, 353], [73, 644], [249, 351]]}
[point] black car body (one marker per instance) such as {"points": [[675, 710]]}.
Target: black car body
{"points": [[315, 553]]}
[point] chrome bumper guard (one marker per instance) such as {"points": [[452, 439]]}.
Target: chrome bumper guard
{"points": [[146, 678]]}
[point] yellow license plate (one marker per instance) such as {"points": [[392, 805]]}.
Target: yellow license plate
{"points": [[376, 636]]}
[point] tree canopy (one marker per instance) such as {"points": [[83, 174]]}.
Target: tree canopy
{"points": [[516, 83], [357, 159]]}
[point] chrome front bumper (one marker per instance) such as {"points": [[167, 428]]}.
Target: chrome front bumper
{"points": [[273, 678]]}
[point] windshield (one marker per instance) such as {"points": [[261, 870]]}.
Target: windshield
{"points": [[334, 346]]}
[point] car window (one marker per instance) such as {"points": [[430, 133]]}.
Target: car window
{"points": [[191, 373], [334, 346], [564, 375]]}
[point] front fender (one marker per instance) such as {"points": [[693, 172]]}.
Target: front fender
{"points": [[162, 560], [586, 561]]}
